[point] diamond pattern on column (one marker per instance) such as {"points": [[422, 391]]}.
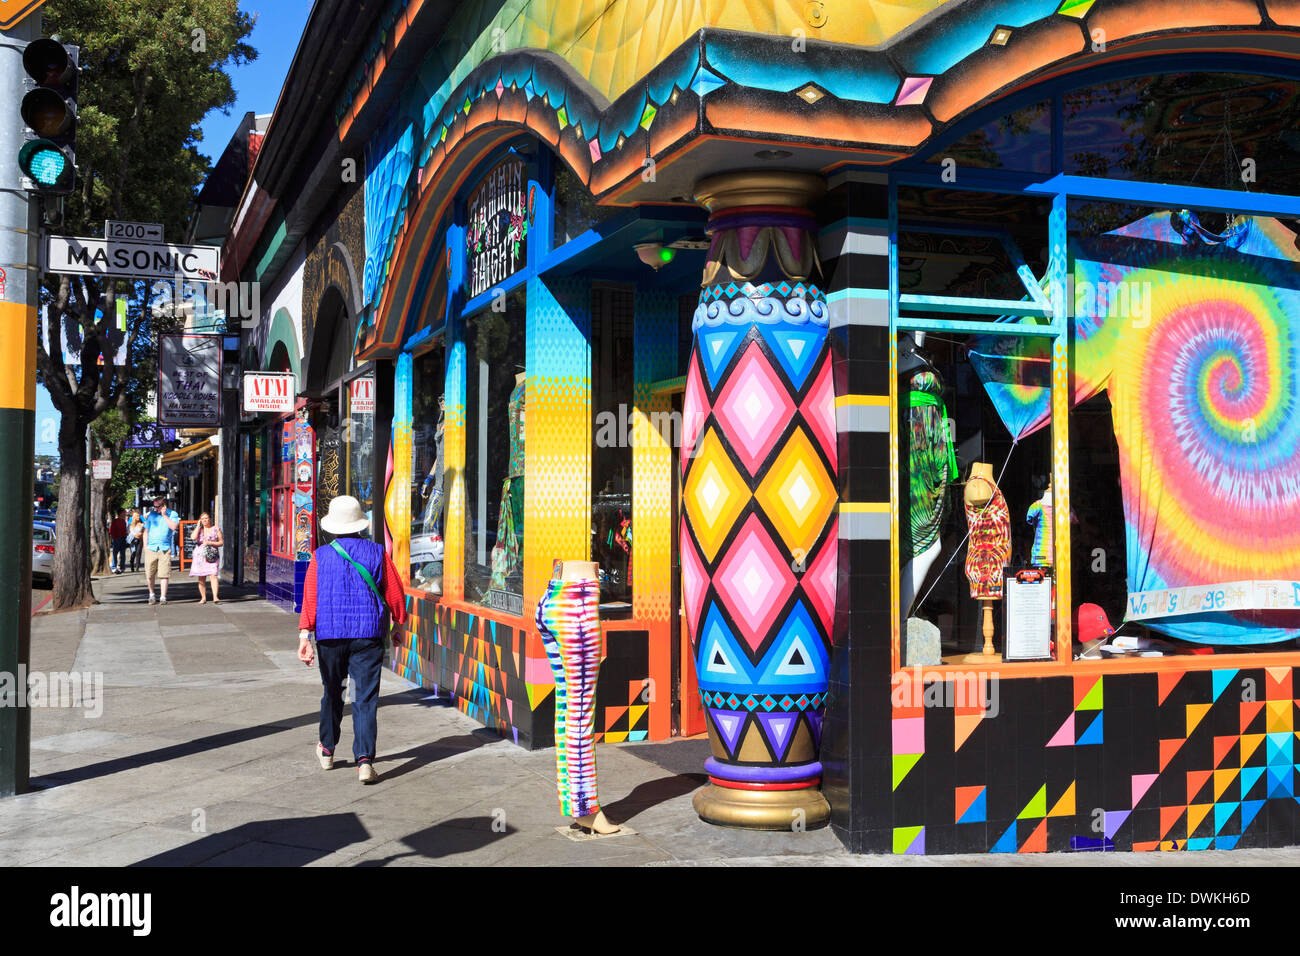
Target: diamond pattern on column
{"points": [[819, 411], [714, 494], [753, 408], [797, 494], [695, 582], [819, 580], [695, 409], [753, 581]]}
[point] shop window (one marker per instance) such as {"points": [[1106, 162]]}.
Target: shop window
{"points": [[974, 486], [1185, 521], [282, 484], [494, 456], [612, 404], [428, 470], [961, 243], [1218, 130], [358, 434], [1019, 141], [254, 504]]}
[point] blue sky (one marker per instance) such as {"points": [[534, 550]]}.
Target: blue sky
{"points": [[257, 86]]}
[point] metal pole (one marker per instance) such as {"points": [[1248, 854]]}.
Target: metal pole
{"points": [[18, 305]]}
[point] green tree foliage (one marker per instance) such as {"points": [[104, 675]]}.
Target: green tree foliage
{"points": [[151, 70]]}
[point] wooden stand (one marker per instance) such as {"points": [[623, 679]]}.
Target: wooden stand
{"points": [[988, 655]]}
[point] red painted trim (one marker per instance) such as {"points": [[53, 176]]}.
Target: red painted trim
{"points": [[808, 784]]}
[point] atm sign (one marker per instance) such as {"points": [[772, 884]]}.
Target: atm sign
{"points": [[269, 391]]}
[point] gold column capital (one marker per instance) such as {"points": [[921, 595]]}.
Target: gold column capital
{"points": [[758, 187]]}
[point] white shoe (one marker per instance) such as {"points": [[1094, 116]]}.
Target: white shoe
{"points": [[366, 773], [162, 600], [152, 599], [326, 760]]}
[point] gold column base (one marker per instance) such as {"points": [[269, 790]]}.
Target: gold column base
{"points": [[789, 810], [979, 657]]}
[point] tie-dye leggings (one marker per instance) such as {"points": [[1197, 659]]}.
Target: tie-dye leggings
{"points": [[569, 622]]}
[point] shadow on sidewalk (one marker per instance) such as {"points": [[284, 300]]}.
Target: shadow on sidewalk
{"points": [[416, 756], [652, 793], [290, 841], [448, 838]]}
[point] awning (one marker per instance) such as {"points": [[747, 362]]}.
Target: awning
{"points": [[188, 452]]}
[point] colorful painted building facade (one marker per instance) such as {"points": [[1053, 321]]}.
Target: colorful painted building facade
{"points": [[843, 337]]}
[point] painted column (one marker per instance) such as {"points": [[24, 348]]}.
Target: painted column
{"points": [[758, 544]]}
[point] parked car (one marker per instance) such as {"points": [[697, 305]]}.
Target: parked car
{"points": [[43, 551]]}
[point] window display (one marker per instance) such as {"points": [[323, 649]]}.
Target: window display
{"points": [[970, 491], [612, 403], [495, 435], [428, 488]]}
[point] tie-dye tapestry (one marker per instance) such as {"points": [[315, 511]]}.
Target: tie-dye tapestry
{"points": [[1195, 337]]}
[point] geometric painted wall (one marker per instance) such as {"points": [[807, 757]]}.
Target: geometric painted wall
{"points": [[1177, 761], [485, 669]]}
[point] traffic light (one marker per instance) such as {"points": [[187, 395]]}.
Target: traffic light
{"points": [[48, 158]]}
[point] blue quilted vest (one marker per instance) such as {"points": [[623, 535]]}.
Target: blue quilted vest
{"points": [[345, 606]]}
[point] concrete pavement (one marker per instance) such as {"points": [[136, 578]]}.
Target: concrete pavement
{"points": [[198, 751]]}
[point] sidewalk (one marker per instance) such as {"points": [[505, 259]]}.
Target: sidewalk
{"points": [[203, 755]]}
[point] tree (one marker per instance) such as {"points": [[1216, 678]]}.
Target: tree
{"points": [[151, 70], [132, 467]]}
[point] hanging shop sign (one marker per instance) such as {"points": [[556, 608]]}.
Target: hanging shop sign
{"points": [[189, 380], [80, 255], [362, 396], [269, 391], [500, 211], [145, 435], [101, 468]]}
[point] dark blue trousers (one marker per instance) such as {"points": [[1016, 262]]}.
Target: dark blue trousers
{"points": [[362, 659]]}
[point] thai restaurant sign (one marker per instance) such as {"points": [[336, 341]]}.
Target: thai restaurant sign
{"points": [[189, 380], [499, 211], [269, 391]]}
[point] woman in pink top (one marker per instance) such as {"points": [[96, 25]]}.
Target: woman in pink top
{"points": [[207, 538]]}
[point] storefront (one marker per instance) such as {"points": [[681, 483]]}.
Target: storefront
{"points": [[846, 358]]}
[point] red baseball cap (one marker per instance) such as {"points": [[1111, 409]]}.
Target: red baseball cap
{"points": [[1091, 623]]}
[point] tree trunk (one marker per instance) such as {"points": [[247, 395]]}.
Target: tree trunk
{"points": [[71, 553], [100, 549]]}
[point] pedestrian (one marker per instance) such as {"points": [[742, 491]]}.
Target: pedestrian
{"points": [[135, 539], [206, 562], [359, 594], [117, 531], [160, 527]]}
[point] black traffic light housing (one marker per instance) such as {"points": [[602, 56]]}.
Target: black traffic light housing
{"points": [[48, 157]]}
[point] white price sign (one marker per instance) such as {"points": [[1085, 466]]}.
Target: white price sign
{"points": [[101, 468]]}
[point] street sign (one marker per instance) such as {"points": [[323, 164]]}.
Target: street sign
{"points": [[101, 468], [189, 380], [269, 391], [133, 231], [129, 259], [13, 12]]}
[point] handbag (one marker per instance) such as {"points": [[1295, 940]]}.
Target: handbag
{"points": [[211, 554]]}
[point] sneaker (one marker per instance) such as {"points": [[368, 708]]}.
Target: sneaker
{"points": [[152, 599], [326, 759], [366, 773], [162, 600]]}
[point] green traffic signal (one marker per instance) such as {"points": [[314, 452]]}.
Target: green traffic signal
{"points": [[49, 111], [44, 163]]}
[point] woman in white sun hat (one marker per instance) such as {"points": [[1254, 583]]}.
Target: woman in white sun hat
{"points": [[350, 595]]}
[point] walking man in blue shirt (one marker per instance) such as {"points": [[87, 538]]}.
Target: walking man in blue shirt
{"points": [[160, 527]]}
